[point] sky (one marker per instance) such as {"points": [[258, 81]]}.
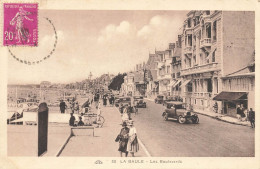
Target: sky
{"points": [[92, 40]]}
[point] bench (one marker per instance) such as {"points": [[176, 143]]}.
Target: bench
{"points": [[83, 127]]}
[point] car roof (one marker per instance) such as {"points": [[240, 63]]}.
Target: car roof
{"points": [[176, 103]]}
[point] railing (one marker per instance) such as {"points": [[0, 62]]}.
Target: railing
{"points": [[205, 42], [188, 49], [199, 69], [198, 94]]}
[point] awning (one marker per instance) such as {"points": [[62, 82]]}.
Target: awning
{"points": [[185, 83], [174, 83], [231, 96]]}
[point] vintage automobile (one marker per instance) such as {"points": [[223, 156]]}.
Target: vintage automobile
{"points": [[169, 99], [159, 99], [126, 101], [139, 100], [118, 100], [176, 110]]}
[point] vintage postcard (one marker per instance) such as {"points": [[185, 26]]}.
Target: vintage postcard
{"points": [[129, 84]]}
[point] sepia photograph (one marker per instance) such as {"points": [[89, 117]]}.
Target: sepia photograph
{"points": [[143, 87]]}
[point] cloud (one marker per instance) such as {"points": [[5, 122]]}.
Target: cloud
{"points": [[112, 31]]}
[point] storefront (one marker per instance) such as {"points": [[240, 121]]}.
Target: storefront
{"points": [[230, 101]]}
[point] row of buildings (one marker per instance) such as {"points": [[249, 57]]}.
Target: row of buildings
{"points": [[212, 61]]}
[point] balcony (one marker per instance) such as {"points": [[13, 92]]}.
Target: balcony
{"points": [[200, 69], [188, 50], [205, 42], [203, 95]]}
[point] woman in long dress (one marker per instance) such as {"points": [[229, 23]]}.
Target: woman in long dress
{"points": [[123, 139], [132, 145]]}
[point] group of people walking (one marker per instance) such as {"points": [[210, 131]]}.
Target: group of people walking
{"points": [[243, 115], [72, 107], [127, 138]]}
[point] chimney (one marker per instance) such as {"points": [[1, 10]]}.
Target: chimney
{"points": [[179, 40], [171, 45]]}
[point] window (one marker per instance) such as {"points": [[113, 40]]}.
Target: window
{"points": [[189, 23], [214, 31], [168, 69], [209, 88], [213, 56], [189, 87], [194, 60]]}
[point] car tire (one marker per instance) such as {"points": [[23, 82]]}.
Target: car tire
{"points": [[181, 119], [165, 117], [195, 120]]}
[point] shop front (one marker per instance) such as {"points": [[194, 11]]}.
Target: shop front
{"points": [[231, 100]]}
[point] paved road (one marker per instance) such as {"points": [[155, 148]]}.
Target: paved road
{"points": [[209, 138]]}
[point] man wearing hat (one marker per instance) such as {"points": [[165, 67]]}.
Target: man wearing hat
{"points": [[123, 139]]}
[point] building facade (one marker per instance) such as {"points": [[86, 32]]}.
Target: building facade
{"points": [[212, 49]]}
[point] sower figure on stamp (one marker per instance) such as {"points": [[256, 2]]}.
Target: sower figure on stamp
{"points": [[22, 32]]}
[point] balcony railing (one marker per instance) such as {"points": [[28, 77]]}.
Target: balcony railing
{"points": [[200, 69], [188, 50], [205, 42], [198, 94]]}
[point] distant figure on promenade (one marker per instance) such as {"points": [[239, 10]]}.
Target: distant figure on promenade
{"points": [[76, 108], [105, 100], [122, 138], [80, 123], [239, 112], [132, 145], [98, 113], [72, 119], [251, 117], [63, 106], [125, 115]]}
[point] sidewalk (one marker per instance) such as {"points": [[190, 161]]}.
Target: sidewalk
{"points": [[103, 143], [223, 117], [218, 116]]}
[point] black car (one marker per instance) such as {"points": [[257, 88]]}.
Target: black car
{"points": [[169, 99], [139, 100], [159, 99], [178, 111]]}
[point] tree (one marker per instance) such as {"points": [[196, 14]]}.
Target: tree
{"points": [[117, 82]]}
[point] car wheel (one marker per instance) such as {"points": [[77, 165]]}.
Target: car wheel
{"points": [[195, 120], [165, 117], [181, 119]]}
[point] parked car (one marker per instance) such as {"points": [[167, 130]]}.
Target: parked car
{"points": [[118, 100], [176, 110], [139, 100], [169, 99], [159, 99]]}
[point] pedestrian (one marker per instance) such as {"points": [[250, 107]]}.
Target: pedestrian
{"points": [[76, 107], [80, 123], [104, 100], [63, 106], [98, 115], [122, 138], [72, 120], [125, 116], [132, 145], [238, 112], [251, 117]]}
